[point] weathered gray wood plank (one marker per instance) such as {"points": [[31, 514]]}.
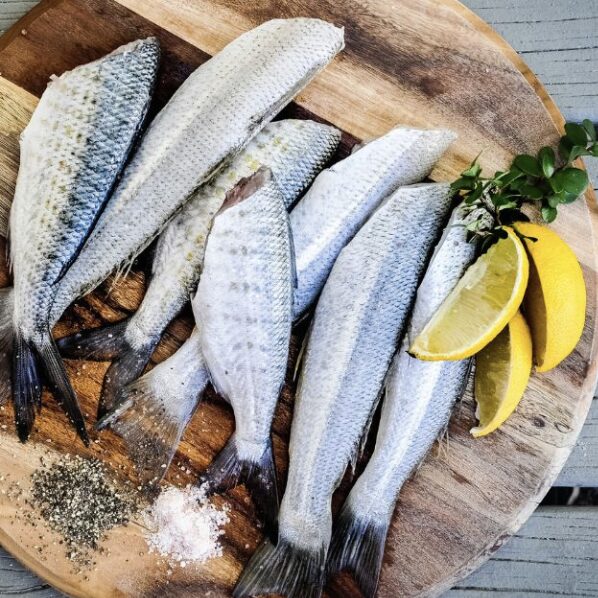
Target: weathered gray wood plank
{"points": [[554, 554], [558, 41], [16, 580], [12, 10], [582, 465]]}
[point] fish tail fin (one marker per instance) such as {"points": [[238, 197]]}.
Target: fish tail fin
{"points": [[151, 416], [358, 545], [98, 344], [27, 385], [123, 370], [7, 336], [109, 343], [234, 466], [286, 569], [56, 376]]}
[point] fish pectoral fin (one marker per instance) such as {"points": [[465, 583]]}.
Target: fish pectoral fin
{"points": [[57, 378], [358, 545], [229, 469], [283, 569]]}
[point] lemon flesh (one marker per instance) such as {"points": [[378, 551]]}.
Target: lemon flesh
{"points": [[480, 305], [555, 301], [502, 372]]}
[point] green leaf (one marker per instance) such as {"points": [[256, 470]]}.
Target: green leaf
{"points": [[473, 171], [501, 200], [576, 134], [588, 125], [556, 182], [565, 147], [463, 184], [504, 179], [531, 191], [577, 151], [547, 161], [569, 197], [549, 213], [594, 150], [571, 180], [528, 164], [475, 194], [553, 200], [510, 205]]}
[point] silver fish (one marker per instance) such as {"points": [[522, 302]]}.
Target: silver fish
{"points": [[72, 151], [359, 319], [418, 401], [243, 309], [210, 118], [342, 198], [156, 389], [295, 151]]}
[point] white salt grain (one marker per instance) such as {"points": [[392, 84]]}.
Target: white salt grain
{"points": [[183, 526]]}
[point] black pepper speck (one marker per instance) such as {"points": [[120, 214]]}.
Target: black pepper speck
{"points": [[80, 500]]}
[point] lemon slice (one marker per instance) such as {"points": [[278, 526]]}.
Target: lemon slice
{"points": [[480, 306], [555, 301], [502, 373]]}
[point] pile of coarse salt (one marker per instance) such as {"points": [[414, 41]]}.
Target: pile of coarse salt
{"points": [[184, 527]]}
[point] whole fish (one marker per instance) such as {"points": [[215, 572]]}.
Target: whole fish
{"points": [[72, 151], [417, 404], [210, 118], [359, 320], [154, 392], [295, 151], [243, 309]]}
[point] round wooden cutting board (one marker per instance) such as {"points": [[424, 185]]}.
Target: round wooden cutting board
{"points": [[426, 63]]}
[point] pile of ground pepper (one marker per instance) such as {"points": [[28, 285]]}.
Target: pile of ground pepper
{"points": [[80, 500]]}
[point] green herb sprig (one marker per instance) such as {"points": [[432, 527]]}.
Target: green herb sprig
{"points": [[547, 180]]}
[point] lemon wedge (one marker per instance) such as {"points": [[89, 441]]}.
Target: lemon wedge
{"points": [[502, 373], [480, 306], [555, 301]]}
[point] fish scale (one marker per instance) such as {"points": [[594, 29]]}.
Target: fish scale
{"points": [[72, 151], [359, 319]]}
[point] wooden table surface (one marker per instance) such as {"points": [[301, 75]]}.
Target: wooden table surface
{"points": [[556, 552]]}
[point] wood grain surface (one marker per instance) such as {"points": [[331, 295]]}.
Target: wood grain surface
{"points": [[445, 69]]}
